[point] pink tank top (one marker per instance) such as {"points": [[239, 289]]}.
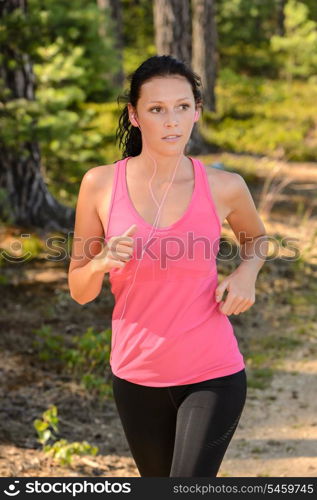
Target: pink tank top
{"points": [[172, 331]]}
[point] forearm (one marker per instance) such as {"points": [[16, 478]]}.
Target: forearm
{"points": [[253, 254], [85, 282]]}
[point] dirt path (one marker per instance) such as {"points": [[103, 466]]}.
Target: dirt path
{"points": [[277, 435]]}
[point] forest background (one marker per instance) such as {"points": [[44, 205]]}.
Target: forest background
{"points": [[62, 67]]}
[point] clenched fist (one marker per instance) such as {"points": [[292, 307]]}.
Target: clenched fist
{"points": [[117, 252]]}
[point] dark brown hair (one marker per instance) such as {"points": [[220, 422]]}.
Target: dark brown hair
{"points": [[130, 138]]}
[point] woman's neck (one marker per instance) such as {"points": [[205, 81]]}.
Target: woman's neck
{"points": [[165, 166]]}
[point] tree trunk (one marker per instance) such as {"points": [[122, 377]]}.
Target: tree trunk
{"points": [[173, 36], [27, 200], [280, 17], [204, 63], [114, 9], [204, 56], [173, 28]]}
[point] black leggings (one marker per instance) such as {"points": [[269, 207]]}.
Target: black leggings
{"points": [[180, 431]]}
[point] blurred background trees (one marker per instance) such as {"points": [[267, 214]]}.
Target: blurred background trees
{"points": [[64, 64]]}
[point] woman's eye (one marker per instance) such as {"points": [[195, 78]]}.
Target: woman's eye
{"points": [[158, 107]]}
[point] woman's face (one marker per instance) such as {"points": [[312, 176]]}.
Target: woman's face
{"points": [[166, 107]]}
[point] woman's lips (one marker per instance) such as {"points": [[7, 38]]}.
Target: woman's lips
{"points": [[170, 139]]}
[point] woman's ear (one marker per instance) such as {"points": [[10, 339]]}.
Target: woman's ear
{"points": [[132, 117]]}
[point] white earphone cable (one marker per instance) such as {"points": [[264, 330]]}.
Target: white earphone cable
{"points": [[154, 227]]}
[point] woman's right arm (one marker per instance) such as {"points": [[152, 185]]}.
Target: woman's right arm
{"points": [[85, 275]]}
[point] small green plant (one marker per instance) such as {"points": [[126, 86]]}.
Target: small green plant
{"points": [[49, 344], [91, 351], [60, 449], [85, 357]]}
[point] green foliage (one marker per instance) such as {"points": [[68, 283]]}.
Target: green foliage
{"points": [[312, 6], [73, 68], [84, 356], [61, 449], [244, 32], [240, 21], [298, 47], [91, 352], [260, 116], [138, 33], [49, 419], [72, 64], [132, 58], [74, 46], [49, 344]]}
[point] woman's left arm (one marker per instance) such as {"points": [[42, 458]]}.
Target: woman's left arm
{"points": [[251, 234]]}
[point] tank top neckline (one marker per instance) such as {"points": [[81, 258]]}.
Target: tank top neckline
{"points": [[136, 213]]}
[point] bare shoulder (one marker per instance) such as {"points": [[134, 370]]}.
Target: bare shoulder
{"points": [[224, 187], [234, 199], [222, 177], [100, 176], [99, 181]]}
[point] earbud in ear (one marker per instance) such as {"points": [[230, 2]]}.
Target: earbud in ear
{"points": [[134, 121]]}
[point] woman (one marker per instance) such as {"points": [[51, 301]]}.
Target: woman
{"points": [[178, 376]]}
